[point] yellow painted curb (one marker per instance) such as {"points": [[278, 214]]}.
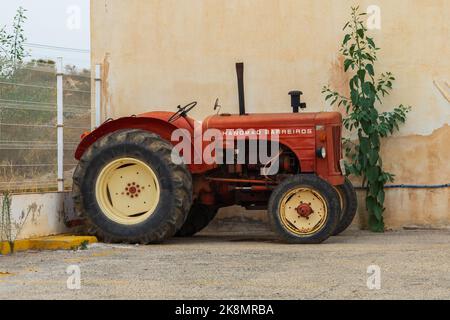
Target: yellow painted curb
{"points": [[61, 242]]}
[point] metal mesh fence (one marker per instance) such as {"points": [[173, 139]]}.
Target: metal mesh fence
{"points": [[28, 115]]}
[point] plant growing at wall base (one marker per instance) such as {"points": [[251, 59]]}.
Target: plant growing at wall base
{"points": [[5, 221], [9, 229], [366, 93]]}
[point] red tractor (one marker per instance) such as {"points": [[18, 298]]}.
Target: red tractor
{"points": [[131, 188]]}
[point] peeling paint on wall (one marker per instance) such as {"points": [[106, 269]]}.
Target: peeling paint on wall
{"points": [[419, 159]]}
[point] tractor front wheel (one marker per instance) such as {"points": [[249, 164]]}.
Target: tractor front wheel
{"points": [[304, 209], [129, 189], [349, 205]]}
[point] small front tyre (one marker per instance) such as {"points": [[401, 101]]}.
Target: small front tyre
{"points": [[349, 206], [304, 209]]}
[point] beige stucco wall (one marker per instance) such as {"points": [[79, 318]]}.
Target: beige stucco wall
{"points": [[157, 54]]}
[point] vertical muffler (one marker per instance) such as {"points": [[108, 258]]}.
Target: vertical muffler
{"points": [[240, 77]]}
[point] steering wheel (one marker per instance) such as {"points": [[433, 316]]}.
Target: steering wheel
{"points": [[182, 111]]}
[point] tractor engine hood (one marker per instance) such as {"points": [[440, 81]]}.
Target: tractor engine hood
{"points": [[272, 120]]}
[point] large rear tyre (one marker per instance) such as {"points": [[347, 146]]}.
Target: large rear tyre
{"points": [[198, 218], [304, 209], [129, 189], [349, 206]]}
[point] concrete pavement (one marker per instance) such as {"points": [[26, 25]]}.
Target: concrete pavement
{"points": [[250, 265]]}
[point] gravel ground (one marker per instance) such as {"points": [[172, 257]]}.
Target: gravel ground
{"points": [[218, 265]]}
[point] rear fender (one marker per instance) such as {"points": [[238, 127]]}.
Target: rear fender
{"points": [[155, 125]]}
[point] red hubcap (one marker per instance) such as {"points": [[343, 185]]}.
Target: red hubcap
{"points": [[305, 210], [132, 190]]}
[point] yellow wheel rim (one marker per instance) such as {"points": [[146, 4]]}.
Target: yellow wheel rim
{"points": [[127, 191], [303, 211], [341, 198]]}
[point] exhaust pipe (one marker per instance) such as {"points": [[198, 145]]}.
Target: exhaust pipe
{"points": [[240, 77]]}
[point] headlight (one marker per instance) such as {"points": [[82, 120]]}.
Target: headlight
{"points": [[322, 153]]}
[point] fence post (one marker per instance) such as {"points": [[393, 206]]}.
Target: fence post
{"points": [[60, 123], [98, 93]]}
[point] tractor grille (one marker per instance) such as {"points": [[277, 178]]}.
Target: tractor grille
{"points": [[337, 146]]}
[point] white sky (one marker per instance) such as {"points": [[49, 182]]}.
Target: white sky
{"points": [[54, 23]]}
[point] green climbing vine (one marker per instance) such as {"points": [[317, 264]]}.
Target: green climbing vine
{"points": [[366, 92]]}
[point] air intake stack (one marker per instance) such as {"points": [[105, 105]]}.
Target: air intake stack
{"points": [[295, 100]]}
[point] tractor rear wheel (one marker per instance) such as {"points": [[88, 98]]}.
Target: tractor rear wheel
{"points": [[349, 205], [129, 189], [304, 209], [198, 218]]}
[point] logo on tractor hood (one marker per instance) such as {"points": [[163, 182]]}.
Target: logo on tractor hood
{"points": [[266, 132]]}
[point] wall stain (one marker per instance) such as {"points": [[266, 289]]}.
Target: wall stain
{"points": [[339, 80], [443, 88], [35, 211], [106, 95]]}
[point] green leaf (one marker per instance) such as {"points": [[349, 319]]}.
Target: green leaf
{"points": [[372, 173], [378, 212], [370, 203], [347, 64], [362, 75], [380, 197], [367, 127], [354, 82], [346, 39], [373, 114], [373, 157], [369, 69], [364, 145], [375, 140], [355, 97], [370, 42], [360, 33], [369, 90], [334, 100], [352, 49], [366, 103]]}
